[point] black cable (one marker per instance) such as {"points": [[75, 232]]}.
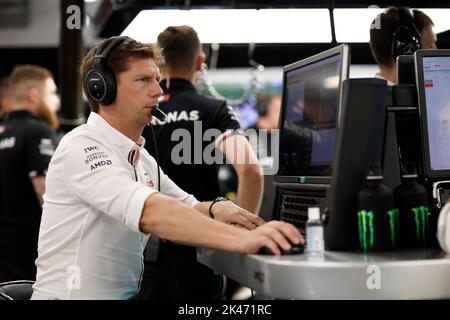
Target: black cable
{"points": [[333, 27], [156, 154], [169, 254]]}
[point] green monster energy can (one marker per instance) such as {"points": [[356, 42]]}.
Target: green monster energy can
{"points": [[412, 200], [377, 218]]}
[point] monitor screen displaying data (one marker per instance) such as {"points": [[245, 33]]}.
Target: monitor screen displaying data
{"points": [[434, 96], [311, 98]]}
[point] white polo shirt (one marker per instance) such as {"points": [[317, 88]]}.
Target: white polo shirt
{"points": [[90, 246]]}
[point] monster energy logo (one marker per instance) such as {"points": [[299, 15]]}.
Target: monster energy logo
{"points": [[393, 226], [365, 222], [421, 221]]}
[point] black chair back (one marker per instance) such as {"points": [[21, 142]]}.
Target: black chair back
{"points": [[16, 290]]}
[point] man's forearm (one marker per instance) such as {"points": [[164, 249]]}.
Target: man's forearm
{"points": [[39, 187], [250, 190], [250, 180], [174, 221]]}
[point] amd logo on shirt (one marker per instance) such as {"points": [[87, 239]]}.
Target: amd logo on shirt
{"points": [[101, 164]]}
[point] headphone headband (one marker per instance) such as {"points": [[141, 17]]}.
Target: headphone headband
{"points": [[108, 46], [406, 38], [406, 15]]}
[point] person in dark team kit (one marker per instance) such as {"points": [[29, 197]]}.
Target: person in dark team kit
{"points": [[399, 31], [26, 146], [176, 273]]}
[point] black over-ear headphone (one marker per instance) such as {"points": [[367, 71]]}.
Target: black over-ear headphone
{"points": [[406, 39], [100, 83]]}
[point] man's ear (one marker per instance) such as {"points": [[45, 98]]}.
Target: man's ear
{"points": [[199, 61], [33, 95]]}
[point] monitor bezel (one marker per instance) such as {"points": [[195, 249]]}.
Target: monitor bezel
{"points": [[344, 51], [422, 108]]}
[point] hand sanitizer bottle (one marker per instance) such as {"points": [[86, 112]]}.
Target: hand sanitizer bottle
{"points": [[314, 232]]}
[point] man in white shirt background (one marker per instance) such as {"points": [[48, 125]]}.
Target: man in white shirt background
{"points": [[102, 203]]}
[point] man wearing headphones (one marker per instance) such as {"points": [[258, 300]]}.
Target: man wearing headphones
{"points": [[102, 202], [399, 31]]}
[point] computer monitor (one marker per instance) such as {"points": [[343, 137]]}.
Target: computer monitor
{"points": [[433, 89], [311, 96]]}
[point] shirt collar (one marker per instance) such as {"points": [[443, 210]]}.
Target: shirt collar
{"points": [[379, 76], [177, 84], [21, 113], [119, 140]]}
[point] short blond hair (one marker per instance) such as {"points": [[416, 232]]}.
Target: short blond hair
{"points": [[180, 46], [25, 77]]}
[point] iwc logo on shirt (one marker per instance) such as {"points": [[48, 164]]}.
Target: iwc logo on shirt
{"points": [[96, 158]]}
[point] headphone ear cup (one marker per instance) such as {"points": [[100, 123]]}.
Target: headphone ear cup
{"points": [[100, 85], [100, 82], [406, 39], [405, 42], [111, 88]]}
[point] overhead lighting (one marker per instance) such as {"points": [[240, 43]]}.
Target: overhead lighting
{"points": [[440, 19], [237, 25], [331, 82], [353, 25]]}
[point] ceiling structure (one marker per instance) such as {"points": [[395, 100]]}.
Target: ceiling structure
{"points": [[116, 15], [33, 24]]}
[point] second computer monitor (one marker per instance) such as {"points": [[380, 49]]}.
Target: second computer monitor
{"points": [[433, 88], [309, 115]]}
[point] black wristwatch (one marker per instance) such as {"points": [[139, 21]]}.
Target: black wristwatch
{"points": [[218, 199]]}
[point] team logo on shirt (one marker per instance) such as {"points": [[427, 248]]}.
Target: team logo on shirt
{"points": [[149, 182], [91, 148], [7, 143], [100, 164], [46, 147], [232, 113], [176, 116], [96, 158]]}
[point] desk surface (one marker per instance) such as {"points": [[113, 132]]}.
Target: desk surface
{"points": [[409, 274]]}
